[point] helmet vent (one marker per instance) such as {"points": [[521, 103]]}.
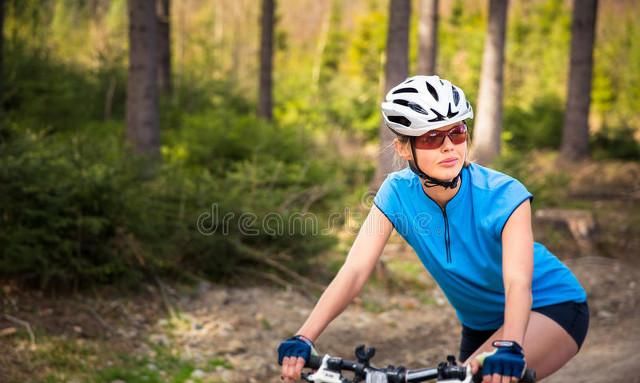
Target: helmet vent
{"points": [[406, 90], [450, 113], [456, 96], [438, 117], [432, 90], [415, 107], [400, 120], [408, 81]]}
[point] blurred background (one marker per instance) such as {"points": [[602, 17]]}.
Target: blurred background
{"points": [[129, 130]]}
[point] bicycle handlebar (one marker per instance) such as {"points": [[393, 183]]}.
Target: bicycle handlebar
{"points": [[332, 368]]}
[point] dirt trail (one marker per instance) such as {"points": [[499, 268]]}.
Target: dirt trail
{"points": [[244, 326], [405, 331]]}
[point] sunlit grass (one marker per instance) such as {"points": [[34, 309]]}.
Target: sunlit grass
{"points": [[72, 360], [163, 367]]}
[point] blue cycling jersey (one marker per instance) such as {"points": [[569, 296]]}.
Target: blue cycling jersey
{"points": [[461, 244]]}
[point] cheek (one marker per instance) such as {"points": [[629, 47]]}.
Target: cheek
{"points": [[428, 158], [462, 150]]}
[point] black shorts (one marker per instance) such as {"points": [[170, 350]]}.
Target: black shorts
{"points": [[571, 316]]}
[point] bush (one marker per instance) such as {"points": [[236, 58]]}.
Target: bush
{"points": [[537, 127], [615, 143], [48, 95], [76, 209], [63, 209]]}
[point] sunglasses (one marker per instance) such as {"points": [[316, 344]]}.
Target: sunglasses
{"points": [[435, 138]]}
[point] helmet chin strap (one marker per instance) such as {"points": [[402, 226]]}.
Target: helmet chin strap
{"points": [[429, 181]]}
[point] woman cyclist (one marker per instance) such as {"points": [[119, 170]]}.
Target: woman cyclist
{"points": [[519, 306]]}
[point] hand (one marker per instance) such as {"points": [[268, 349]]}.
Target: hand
{"points": [[293, 354], [505, 364]]}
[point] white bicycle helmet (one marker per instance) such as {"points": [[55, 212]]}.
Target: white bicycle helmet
{"points": [[421, 104], [424, 103]]}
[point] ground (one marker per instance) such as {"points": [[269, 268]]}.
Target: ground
{"points": [[214, 333]]}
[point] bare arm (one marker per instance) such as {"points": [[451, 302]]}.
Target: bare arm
{"points": [[347, 284], [517, 268]]}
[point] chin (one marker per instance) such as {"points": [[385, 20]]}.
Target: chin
{"points": [[448, 174]]}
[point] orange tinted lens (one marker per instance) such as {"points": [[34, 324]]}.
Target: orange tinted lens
{"points": [[430, 140], [458, 134], [434, 139]]}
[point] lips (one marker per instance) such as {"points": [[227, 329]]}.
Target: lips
{"points": [[448, 161]]}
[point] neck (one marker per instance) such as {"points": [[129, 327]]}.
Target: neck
{"points": [[440, 194]]}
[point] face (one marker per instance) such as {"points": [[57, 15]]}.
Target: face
{"points": [[443, 162]]}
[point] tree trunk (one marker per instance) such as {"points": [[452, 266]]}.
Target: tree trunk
{"points": [[428, 36], [396, 70], [163, 8], [2, 5], [265, 102], [575, 134], [488, 125], [143, 130]]}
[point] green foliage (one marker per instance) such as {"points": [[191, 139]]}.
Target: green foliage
{"points": [[537, 52], [164, 367], [77, 208], [46, 94], [536, 127], [331, 57], [461, 42], [62, 208], [615, 143], [537, 171], [61, 359], [616, 83], [368, 45]]}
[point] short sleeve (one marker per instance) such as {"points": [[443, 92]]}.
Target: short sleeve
{"points": [[507, 198], [388, 201]]}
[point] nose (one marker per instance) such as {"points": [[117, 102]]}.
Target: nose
{"points": [[447, 145]]}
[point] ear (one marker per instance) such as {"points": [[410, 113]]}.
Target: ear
{"points": [[403, 149]]}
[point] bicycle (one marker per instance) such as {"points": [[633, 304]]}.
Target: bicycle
{"points": [[328, 369]]}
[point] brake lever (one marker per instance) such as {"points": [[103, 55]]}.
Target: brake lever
{"points": [[323, 374]]}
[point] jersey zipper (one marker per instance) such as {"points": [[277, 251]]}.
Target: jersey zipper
{"points": [[447, 237]]}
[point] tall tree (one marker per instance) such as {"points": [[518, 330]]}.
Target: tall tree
{"points": [[575, 134], [1, 61], [396, 70], [428, 37], [143, 130], [163, 9], [488, 125], [265, 102]]}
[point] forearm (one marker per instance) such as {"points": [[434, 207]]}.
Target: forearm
{"points": [[347, 284], [517, 266], [340, 292], [517, 310]]}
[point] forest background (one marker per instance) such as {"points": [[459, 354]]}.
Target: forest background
{"points": [[80, 210]]}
